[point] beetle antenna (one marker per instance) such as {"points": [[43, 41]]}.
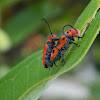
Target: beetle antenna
{"points": [[64, 27], [48, 24]]}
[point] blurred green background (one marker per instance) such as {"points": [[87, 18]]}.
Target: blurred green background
{"points": [[22, 33]]}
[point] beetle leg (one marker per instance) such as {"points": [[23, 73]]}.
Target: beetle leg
{"points": [[63, 59], [55, 64], [49, 68], [76, 44], [56, 39]]}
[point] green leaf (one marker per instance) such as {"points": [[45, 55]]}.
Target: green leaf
{"points": [[88, 15], [28, 20], [29, 79], [4, 70]]}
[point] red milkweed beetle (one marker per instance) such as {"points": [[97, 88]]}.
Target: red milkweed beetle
{"points": [[64, 43], [48, 47]]}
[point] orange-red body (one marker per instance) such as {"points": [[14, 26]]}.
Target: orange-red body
{"points": [[73, 33], [58, 47], [63, 44], [47, 51], [44, 53], [48, 48], [53, 52]]}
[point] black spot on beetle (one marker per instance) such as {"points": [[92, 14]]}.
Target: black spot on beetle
{"points": [[63, 38], [70, 30], [53, 51]]}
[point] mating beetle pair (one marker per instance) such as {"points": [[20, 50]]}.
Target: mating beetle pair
{"points": [[53, 52]]}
